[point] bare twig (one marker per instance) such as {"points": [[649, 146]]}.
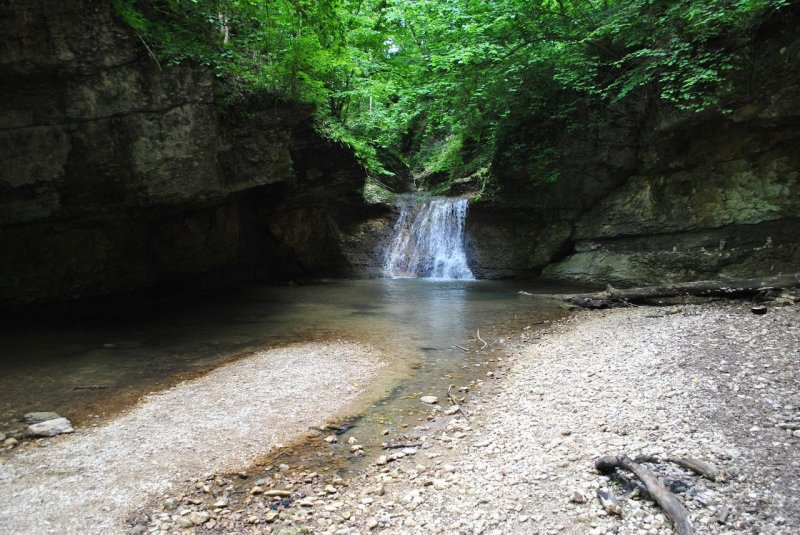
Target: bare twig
{"points": [[461, 348], [454, 402], [399, 446], [482, 340], [150, 51]]}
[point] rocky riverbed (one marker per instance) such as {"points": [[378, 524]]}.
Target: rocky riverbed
{"points": [[712, 382], [90, 481]]}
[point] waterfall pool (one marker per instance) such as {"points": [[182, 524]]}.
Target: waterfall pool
{"points": [[88, 367]]}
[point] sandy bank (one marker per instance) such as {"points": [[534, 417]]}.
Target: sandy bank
{"points": [[87, 482]]}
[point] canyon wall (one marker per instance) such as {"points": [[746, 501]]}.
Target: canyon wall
{"points": [[653, 195], [120, 174]]}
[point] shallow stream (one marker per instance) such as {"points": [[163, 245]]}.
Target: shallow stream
{"points": [[88, 367]]}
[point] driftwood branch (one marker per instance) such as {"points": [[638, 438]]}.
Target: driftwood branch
{"points": [[703, 468], [662, 496], [482, 340], [400, 446], [614, 297]]}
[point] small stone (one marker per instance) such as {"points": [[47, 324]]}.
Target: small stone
{"points": [[10, 442], [184, 522], [578, 497], [2, 437], [439, 484], [332, 439], [722, 515], [50, 428], [796, 433], [385, 432], [566, 432], [382, 460], [356, 447], [169, 504], [609, 502], [256, 490], [271, 516], [222, 502], [450, 411], [198, 517], [352, 440], [430, 400], [277, 493], [252, 520], [330, 489], [39, 417], [372, 522]]}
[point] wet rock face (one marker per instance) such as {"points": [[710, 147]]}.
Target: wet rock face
{"points": [[119, 174], [687, 196]]}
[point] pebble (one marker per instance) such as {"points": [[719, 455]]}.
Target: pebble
{"points": [[184, 522], [430, 400], [39, 417], [50, 428], [198, 517]]}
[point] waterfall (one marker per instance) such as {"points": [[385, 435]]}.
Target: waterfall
{"points": [[428, 240]]}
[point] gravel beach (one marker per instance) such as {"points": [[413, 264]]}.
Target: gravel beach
{"points": [[712, 382], [90, 481]]}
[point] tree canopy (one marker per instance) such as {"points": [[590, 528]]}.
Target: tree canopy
{"points": [[438, 80]]}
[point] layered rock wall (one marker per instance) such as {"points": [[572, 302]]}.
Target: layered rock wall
{"points": [[120, 174], [657, 196]]}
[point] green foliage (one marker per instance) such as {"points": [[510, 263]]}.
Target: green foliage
{"points": [[447, 82]]}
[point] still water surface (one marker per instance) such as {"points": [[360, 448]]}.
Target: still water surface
{"points": [[86, 367]]}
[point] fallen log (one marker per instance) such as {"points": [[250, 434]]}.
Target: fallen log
{"points": [[673, 508], [615, 297]]}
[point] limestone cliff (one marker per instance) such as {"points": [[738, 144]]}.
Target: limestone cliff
{"points": [[121, 174], [654, 195]]}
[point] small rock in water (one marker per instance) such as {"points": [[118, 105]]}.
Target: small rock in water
{"points": [[352, 440], [2, 437], [332, 439], [450, 411], [430, 400], [50, 428], [39, 417], [382, 460]]}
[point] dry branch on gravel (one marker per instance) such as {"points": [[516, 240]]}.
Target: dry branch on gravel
{"points": [[662, 496], [614, 297]]}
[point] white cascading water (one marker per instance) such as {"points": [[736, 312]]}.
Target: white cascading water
{"points": [[428, 241]]}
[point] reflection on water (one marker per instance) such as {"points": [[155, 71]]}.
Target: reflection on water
{"points": [[84, 366]]}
